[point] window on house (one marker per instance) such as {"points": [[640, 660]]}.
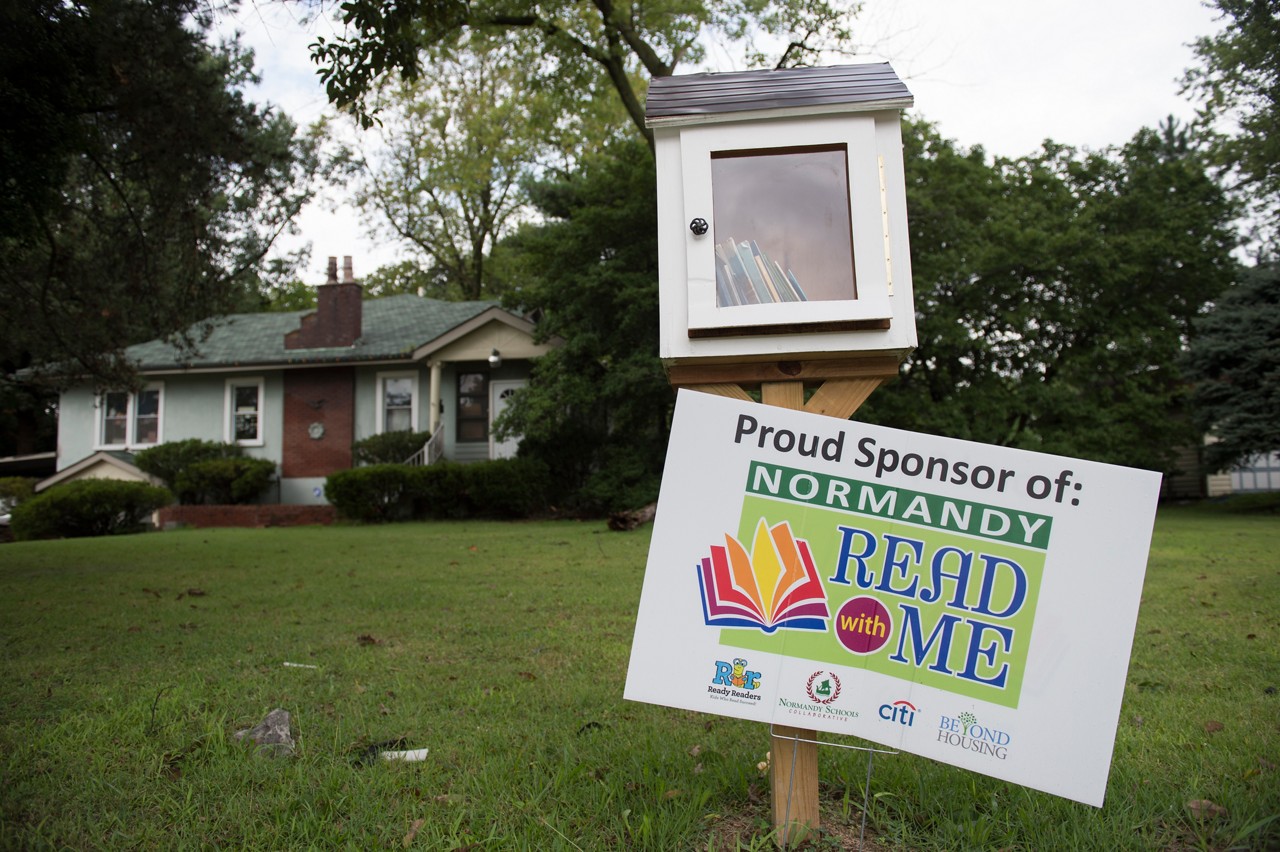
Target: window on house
{"points": [[115, 418], [397, 402], [473, 406], [130, 418], [244, 411]]}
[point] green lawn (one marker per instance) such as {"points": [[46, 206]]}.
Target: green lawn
{"points": [[126, 665]]}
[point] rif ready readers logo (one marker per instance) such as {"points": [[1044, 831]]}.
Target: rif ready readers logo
{"points": [[733, 681]]}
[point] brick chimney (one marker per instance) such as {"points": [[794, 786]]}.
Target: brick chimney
{"points": [[337, 317]]}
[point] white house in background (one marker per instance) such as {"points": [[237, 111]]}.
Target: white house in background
{"points": [[300, 388]]}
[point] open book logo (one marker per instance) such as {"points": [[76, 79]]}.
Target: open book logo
{"points": [[775, 585]]}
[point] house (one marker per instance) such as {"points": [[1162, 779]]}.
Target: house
{"points": [[300, 388]]}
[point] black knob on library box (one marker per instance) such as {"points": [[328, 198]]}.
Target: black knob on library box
{"points": [[699, 226]]}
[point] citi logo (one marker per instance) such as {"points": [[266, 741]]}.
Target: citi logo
{"points": [[902, 712]]}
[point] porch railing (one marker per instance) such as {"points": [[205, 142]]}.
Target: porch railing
{"points": [[431, 450]]}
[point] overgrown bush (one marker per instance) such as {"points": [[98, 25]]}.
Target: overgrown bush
{"points": [[389, 447], [508, 488], [89, 507], [440, 491], [372, 494], [224, 481], [14, 490], [165, 461]]}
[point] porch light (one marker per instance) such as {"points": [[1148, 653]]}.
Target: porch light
{"points": [[495, 360]]}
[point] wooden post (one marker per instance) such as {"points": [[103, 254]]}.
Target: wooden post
{"points": [[793, 765]]}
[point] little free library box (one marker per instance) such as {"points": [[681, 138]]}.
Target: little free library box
{"points": [[782, 224]]}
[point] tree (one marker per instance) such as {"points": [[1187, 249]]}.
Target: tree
{"points": [[1055, 292], [598, 406], [447, 178], [1239, 80], [146, 189], [1235, 364], [581, 47]]}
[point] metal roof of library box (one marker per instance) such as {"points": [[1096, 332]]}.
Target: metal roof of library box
{"points": [[710, 97]]}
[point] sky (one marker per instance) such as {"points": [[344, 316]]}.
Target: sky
{"points": [[1003, 74]]}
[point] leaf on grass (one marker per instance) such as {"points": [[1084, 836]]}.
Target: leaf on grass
{"points": [[135, 629], [368, 639], [673, 794], [413, 832], [695, 751], [1138, 721], [697, 769], [590, 726], [526, 675], [473, 548], [384, 710], [1203, 809], [447, 799], [196, 593], [1213, 726], [1251, 636]]}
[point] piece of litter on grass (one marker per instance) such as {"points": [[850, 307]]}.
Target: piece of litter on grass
{"points": [[299, 665], [409, 756]]}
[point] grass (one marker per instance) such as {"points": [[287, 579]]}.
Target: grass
{"points": [[126, 665]]}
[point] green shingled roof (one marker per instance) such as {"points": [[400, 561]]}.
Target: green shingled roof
{"points": [[391, 327]]}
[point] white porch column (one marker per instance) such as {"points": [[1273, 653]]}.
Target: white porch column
{"points": [[433, 418]]}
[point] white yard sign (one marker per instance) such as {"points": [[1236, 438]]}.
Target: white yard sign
{"points": [[968, 603]]}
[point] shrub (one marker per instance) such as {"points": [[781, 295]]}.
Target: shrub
{"points": [[373, 494], [389, 447], [508, 488], [223, 481], [440, 491], [14, 490], [89, 507], [165, 461]]}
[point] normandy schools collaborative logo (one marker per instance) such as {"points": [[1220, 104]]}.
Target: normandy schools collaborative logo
{"points": [[827, 689], [775, 585]]}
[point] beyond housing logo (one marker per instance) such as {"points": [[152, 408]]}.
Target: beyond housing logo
{"points": [[964, 732]]}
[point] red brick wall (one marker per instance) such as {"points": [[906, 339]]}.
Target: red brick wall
{"points": [[325, 395], [336, 321], [247, 516]]}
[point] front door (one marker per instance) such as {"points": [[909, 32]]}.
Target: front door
{"points": [[500, 397]]}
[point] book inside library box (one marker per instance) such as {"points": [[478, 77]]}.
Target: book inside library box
{"points": [[782, 226]]}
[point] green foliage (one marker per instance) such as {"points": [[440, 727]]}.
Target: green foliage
{"points": [[577, 48], [447, 178], [508, 488], [1239, 80], [88, 507], [225, 481], [14, 490], [168, 460], [373, 494], [1054, 293], [389, 447], [1235, 364], [597, 407], [142, 187], [504, 488]]}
